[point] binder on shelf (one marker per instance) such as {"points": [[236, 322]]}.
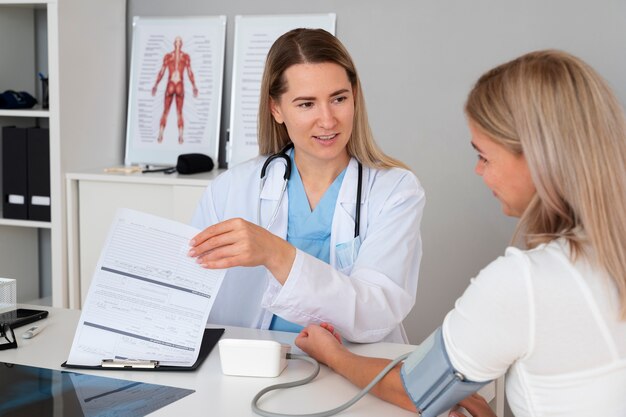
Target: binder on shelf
{"points": [[39, 174], [14, 173], [209, 340]]}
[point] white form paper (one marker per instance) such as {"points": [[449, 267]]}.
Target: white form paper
{"points": [[148, 300]]}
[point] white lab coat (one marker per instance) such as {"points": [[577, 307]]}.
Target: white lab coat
{"points": [[366, 301]]}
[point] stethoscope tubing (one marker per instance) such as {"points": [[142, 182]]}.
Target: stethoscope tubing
{"points": [[287, 176], [357, 213]]}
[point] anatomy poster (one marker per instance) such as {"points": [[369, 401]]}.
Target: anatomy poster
{"points": [[175, 90]]}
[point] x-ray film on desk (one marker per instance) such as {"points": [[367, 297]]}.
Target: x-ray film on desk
{"points": [[27, 391]]}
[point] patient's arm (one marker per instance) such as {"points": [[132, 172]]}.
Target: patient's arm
{"points": [[323, 345]]}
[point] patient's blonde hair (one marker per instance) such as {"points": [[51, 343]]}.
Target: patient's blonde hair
{"points": [[558, 112]]}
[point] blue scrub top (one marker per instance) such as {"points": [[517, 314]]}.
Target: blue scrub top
{"points": [[308, 230]]}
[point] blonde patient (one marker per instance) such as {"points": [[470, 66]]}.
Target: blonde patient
{"points": [[551, 143]]}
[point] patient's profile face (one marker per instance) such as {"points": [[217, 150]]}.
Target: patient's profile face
{"points": [[504, 172]]}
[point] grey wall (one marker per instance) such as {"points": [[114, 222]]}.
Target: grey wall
{"points": [[418, 60]]}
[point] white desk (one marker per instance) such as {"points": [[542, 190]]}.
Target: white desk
{"points": [[217, 394]]}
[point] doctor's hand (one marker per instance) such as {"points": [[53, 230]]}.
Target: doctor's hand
{"points": [[321, 342], [237, 242], [476, 405]]}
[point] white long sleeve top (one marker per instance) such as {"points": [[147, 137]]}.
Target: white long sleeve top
{"points": [[552, 324]]}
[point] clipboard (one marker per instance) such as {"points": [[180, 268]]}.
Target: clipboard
{"points": [[209, 340]]}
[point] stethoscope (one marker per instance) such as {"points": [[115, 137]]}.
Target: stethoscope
{"points": [[287, 176]]}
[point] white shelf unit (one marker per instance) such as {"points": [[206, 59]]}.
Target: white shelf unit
{"points": [[80, 45], [35, 112]]}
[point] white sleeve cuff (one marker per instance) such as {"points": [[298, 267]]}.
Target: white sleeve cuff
{"points": [[276, 294]]}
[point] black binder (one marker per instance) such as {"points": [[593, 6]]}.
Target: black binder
{"points": [[209, 340], [14, 173], [39, 174]]}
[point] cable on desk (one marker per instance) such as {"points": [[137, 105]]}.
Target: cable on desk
{"points": [[309, 378]]}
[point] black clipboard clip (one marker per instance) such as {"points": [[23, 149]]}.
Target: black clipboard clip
{"points": [[129, 363]]}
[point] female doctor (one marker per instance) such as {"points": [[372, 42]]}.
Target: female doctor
{"points": [[323, 226]]}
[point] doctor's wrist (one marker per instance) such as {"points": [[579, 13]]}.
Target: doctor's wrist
{"points": [[281, 260]]}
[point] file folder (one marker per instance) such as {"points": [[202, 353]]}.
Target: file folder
{"points": [[209, 340], [14, 173], [39, 174]]}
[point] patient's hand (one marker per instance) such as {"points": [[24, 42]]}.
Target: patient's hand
{"points": [[475, 405], [332, 331], [320, 342]]}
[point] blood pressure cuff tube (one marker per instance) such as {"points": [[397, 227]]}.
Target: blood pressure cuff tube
{"points": [[431, 381]]}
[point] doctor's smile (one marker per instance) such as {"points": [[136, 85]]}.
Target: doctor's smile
{"points": [[325, 138]]}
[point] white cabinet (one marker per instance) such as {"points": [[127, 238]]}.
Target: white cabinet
{"points": [[94, 197], [80, 45]]}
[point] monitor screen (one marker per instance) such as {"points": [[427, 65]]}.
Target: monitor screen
{"points": [[27, 391]]}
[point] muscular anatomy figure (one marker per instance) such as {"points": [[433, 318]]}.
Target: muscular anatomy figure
{"points": [[176, 62]]}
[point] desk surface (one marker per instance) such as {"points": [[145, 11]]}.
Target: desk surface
{"points": [[216, 394]]}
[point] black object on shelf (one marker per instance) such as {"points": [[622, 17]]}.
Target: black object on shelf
{"points": [[14, 173], [44, 91], [17, 100], [193, 163], [26, 173], [39, 174]]}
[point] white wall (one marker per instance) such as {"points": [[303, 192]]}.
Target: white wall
{"points": [[417, 60]]}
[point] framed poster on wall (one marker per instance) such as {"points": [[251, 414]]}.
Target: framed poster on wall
{"points": [[254, 35], [175, 88]]}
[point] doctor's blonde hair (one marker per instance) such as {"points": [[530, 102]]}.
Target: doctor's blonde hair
{"points": [[561, 115], [314, 46]]}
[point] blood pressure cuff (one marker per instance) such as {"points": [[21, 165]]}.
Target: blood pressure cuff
{"points": [[431, 381]]}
